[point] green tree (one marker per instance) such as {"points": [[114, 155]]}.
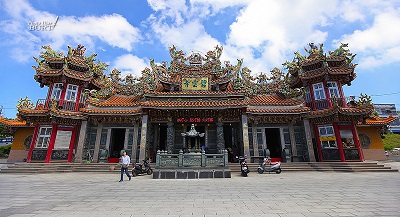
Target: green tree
{"points": [[391, 141]]}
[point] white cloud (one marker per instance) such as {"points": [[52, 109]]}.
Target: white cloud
{"points": [[188, 37], [112, 29], [278, 28], [379, 44], [129, 64]]}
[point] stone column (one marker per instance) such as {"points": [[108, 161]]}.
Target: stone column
{"points": [[309, 140], [126, 139], [220, 136], [81, 141], [97, 143], [292, 139], [206, 137], [255, 140], [245, 130], [170, 137], [143, 139], [108, 139], [135, 141]]}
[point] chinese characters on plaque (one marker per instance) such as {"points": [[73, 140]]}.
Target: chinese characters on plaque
{"points": [[195, 83]]}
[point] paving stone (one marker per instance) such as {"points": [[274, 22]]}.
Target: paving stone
{"points": [[297, 194]]}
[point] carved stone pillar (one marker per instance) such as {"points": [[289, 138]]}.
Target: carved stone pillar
{"points": [[108, 139], [245, 130], [143, 138], [309, 140], [81, 141], [220, 136], [205, 137], [292, 139], [135, 142], [97, 143], [170, 137], [255, 140], [126, 139], [185, 145]]}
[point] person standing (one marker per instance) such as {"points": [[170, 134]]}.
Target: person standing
{"points": [[125, 160]]}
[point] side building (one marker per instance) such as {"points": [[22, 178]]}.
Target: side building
{"points": [[302, 115], [389, 110]]}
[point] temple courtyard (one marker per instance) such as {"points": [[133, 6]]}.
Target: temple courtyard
{"points": [[287, 194]]}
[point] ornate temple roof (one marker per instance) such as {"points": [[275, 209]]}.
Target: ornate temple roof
{"points": [[13, 122], [194, 80], [318, 66], [78, 68], [377, 121]]}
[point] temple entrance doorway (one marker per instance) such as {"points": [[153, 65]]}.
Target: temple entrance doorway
{"points": [[273, 140], [162, 140], [231, 144], [116, 143]]}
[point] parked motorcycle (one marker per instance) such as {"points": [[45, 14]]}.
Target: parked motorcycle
{"points": [[269, 167], [142, 168], [244, 169]]}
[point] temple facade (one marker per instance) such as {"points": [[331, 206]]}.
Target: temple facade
{"points": [[192, 103]]}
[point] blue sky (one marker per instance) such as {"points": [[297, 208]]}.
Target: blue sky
{"points": [[265, 33]]}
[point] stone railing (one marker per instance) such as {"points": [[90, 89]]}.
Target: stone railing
{"points": [[187, 160]]}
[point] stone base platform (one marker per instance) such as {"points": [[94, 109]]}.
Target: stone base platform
{"points": [[191, 173]]}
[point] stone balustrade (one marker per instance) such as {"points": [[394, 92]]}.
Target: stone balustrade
{"points": [[189, 160]]}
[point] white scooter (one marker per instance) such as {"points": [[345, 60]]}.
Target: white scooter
{"points": [[269, 167]]}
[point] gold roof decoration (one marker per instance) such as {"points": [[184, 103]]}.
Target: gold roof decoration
{"points": [[114, 84], [24, 103]]}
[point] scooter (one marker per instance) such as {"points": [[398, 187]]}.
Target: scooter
{"points": [[269, 167], [138, 168], [244, 169]]}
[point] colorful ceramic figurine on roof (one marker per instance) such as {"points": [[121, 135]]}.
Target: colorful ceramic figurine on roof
{"points": [[299, 113]]}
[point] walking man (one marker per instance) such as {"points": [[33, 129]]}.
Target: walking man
{"points": [[124, 160]]}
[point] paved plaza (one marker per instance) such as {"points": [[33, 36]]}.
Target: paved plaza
{"points": [[287, 194]]}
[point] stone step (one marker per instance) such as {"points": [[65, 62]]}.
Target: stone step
{"points": [[323, 166], [234, 167]]}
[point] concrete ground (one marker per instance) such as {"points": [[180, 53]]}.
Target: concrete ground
{"points": [[287, 194]]}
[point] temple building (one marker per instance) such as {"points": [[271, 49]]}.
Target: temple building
{"points": [[192, 103]]}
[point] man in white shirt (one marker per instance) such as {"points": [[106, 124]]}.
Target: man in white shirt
{"points": [[124, 160]]}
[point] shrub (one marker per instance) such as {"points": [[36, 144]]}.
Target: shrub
{"points": [[391, 141], [5, 150]]}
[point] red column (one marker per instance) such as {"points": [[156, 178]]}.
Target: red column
{"points": [[318, 142], [339, 141], [78, 98], [72, 143], [327, 94], [357, 142], [35, 134], [48, 98], [51, 143], [63, 91], [312, 97], [341, 94]]}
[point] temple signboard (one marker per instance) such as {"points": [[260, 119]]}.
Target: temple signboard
{"points": [[195, 83], [194, 120]]}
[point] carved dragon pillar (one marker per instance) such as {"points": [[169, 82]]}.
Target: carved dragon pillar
{"points": [[170, 137], [220, 135]]}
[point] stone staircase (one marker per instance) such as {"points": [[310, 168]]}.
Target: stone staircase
{"points": [[234, 167], [60, 167], [323, 167]]}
